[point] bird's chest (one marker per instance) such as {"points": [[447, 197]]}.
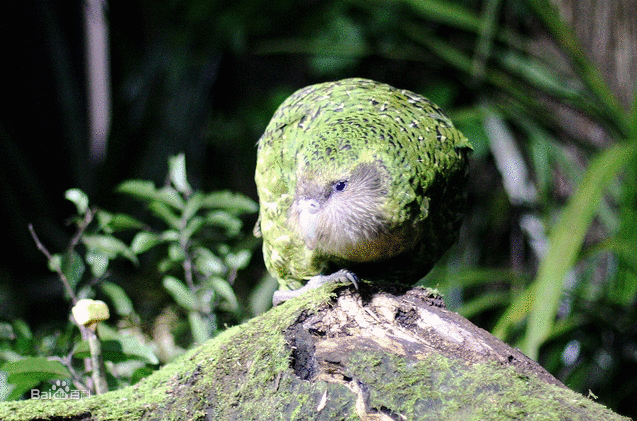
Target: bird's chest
{"points": [[383, 246]]}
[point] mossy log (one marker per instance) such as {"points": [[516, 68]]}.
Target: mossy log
{"points": [[344, 355]]}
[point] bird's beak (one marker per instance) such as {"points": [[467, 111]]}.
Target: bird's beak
{"points": [[308, 220]]}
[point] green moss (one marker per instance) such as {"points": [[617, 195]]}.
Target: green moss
{"points": [[429, 389], [244, 374], [253, 353]]}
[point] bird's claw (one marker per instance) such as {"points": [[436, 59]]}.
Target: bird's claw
{"points": [[342, 275], [316, 281]]}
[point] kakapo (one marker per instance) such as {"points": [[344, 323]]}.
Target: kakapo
{"points": [[358, 179]]}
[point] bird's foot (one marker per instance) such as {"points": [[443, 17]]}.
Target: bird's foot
{"points": [[342, 275]]}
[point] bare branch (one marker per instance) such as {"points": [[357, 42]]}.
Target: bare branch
{"points": [[58, 270]]}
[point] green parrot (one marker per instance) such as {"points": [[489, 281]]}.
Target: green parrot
{"points": [[358, 179]]}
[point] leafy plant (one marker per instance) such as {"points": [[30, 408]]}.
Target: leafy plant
{"points": [[200, 239], [92, 247], [199, 261]]}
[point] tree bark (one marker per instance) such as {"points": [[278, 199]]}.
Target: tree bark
{"points": [[369, 355], [608, 32]]}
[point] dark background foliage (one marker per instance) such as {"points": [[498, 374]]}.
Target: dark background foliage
{"points": [[540, 93]]}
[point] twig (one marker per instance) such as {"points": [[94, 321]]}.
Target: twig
{"points": [[94, 364], [58, 270], [88, 218], [76, 378]]}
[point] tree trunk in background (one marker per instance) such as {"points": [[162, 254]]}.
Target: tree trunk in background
{"points": [[607, 30]]}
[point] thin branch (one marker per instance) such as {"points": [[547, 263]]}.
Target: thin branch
{"points": [[76, 378], [58, 270], [88, 218]]}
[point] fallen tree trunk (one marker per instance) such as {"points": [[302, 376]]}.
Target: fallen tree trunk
{"points": [[369, 356]]}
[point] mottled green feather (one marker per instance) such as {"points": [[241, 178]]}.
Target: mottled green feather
{"points": [[359, 175]]}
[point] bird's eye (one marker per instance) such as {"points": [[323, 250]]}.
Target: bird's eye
{"points": [[339, 185]]}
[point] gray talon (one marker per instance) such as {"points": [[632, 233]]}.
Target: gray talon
{"points": [[342, 275]]}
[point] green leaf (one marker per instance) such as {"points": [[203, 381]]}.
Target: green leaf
{"points": [[499, 79], [565, 242], [98, 262], [177, 173], [223, 289], [541, 76], [146, 191], [118, 297], [171, 197], [260, 299], [446, 12], [164, 265], [180, 293], [23, 343], [144, 241], [488, 31], [166, 214], [238, 260], [230, 223], [109, 246], [542, 148], [170, 236], [116, 222], [193, 204], [79, 199], [127, 347], [176, 253], [192, 227], [200, 328], [229, 201], [73, 267], [141, 189], [27, 373], [103, 220], [208, 263]]}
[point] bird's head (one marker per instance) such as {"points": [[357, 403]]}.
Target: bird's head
{"points": [[339, 211]]}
